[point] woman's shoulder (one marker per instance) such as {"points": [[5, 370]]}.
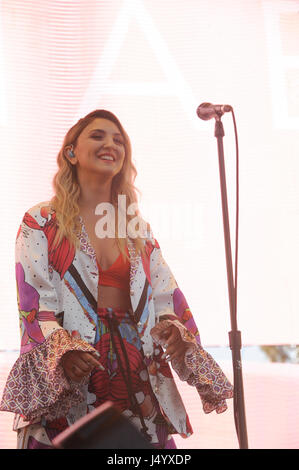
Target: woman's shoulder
{"points": [[41, 212]]}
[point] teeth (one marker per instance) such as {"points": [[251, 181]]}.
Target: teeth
{"points": [[107, 157]]}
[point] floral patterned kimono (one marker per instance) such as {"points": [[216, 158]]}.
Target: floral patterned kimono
{"points": [[57, 291]]}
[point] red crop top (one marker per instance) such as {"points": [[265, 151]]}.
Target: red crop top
{"points": [[118, 275]]}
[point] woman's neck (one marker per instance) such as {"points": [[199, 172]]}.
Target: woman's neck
{"points": [[94, 193]]}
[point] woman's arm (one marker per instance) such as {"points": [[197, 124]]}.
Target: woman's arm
{"points": [[177, 332], [37, 384]]}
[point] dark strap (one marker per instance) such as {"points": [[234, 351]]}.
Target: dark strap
{"points": [[92, 301], [141, 304], [113, 326]]}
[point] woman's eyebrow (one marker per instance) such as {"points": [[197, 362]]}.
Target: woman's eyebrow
{"points": [[104, 132]]}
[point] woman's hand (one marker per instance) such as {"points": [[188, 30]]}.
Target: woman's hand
{"points": [[79, 364], [175, 346]]}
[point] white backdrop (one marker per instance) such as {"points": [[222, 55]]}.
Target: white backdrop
{"points": [[152, 63]]}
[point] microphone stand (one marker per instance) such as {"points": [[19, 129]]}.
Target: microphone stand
{"points": [[234, 334]]}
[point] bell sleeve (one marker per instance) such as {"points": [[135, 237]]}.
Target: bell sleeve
{"points": [[37, 385], [197, 367]]}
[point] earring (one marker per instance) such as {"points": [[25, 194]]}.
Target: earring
{"points": [[71, 153]]}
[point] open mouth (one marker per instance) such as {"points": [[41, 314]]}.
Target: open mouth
{"points": [[107, 157]]}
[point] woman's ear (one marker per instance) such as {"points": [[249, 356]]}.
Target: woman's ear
{"points": [[69, 154]]}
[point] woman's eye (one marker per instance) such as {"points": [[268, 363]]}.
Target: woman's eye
{"points": [[118, 141]]}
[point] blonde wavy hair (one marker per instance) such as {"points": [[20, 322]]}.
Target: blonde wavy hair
{"points": [[67, 189]]}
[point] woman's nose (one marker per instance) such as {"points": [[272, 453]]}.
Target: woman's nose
{"points": [[109, 141]]}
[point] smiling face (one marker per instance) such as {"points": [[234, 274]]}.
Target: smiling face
{"points": [[99, 139]]}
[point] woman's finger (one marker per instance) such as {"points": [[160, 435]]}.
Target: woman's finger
{"points": [[174, 336], [175, 355], [82, 365], [167, 332], [79, 364], [175, 350], [169, 351], [73, 373], [93, 362]]}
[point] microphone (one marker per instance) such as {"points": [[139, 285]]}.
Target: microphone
{"points": [[208, 111]]}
